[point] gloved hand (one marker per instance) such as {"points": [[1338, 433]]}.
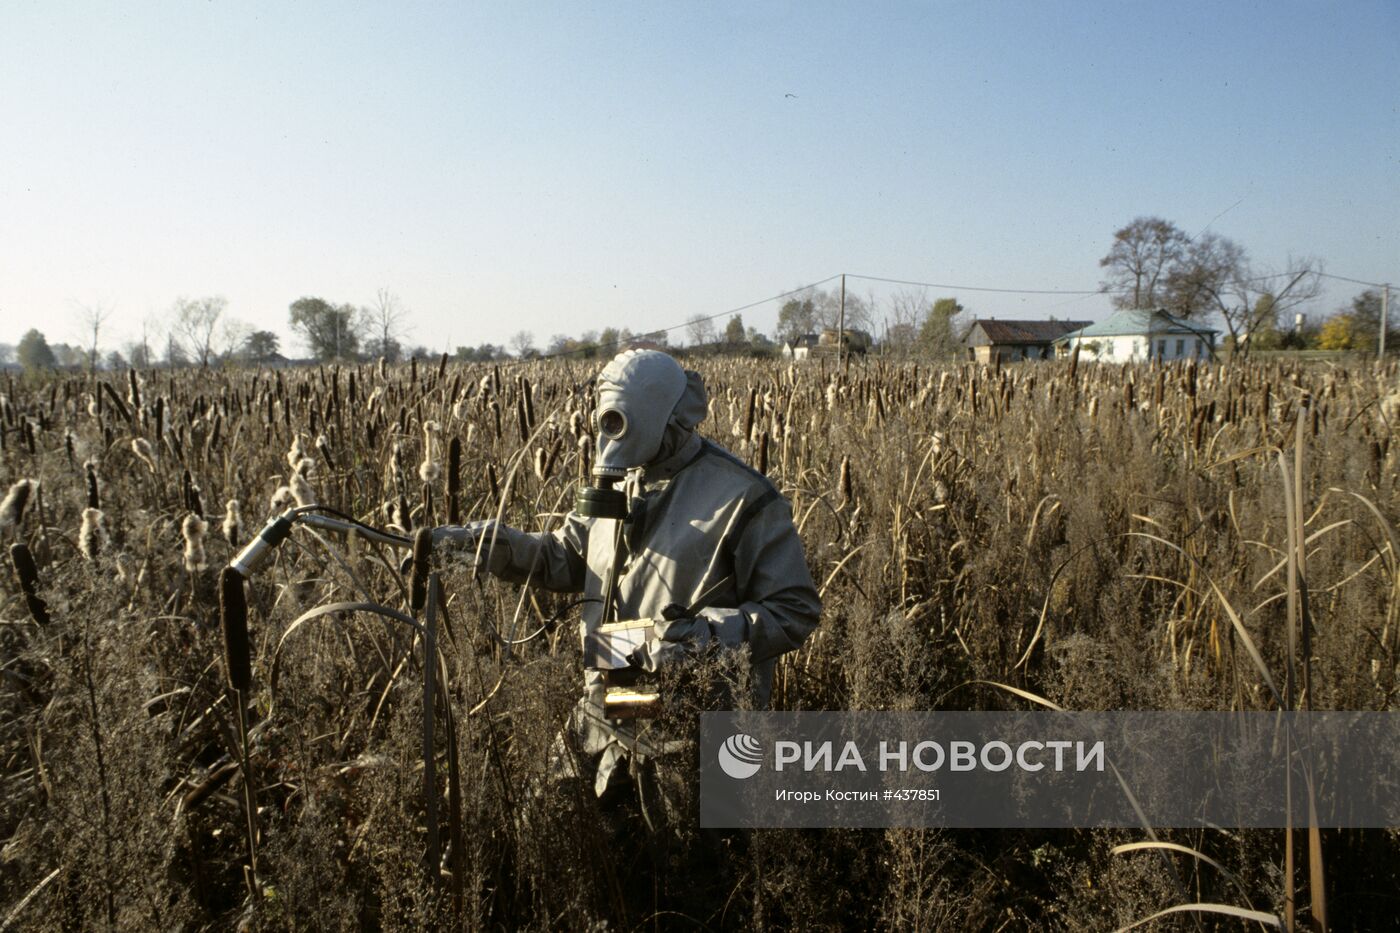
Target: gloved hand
{"points": [[464, 541], [672, 640]]}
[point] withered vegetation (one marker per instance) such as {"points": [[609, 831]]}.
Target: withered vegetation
{"points": [[1100, 536]]}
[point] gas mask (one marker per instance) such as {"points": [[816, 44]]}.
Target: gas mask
{"points": [[639, 393]]}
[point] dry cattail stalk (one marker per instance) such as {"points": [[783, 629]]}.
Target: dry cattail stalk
{"points": [[92, 536], [16, 501], [431, 467], [144, 452], [194, 529], [233, 523]]}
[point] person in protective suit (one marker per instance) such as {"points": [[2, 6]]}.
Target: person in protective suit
{"points": [[707, 549]]}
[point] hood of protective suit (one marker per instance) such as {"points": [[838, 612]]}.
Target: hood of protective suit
{"points": [[640, 394]]}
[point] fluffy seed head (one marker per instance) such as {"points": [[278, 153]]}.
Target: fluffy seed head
{"points": [[297, 453], [16, 501], [92, 537], [301, 489], [142, 448], [194, 529], [233, 523]]}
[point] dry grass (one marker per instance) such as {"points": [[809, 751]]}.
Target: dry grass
{"points": [[1102, 537]]}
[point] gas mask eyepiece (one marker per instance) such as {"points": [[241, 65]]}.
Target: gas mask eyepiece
{"points": [[637, 394]]}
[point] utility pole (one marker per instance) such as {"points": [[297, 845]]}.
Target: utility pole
{"points": [[1385, 316], [841, 327]]}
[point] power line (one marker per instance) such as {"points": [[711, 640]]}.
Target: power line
{"points": [[695, 320], [1079, 293], [976, 288], [1342, 278]]}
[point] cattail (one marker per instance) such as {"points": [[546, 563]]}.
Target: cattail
{"points": [[93, 409], [193, 501], [301, 489], [297, 453], [16, 501], [323, 446], [92, 536], [94, 500], [462, 409], [233, 523], [422, 563], [454, 478], [144, 452], [431, 467], [845, 481], [28, 574], [194, 529], [233, 618], [282, 499]]}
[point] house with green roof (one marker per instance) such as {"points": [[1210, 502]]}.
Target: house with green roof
{"points": [[1137, 335]]}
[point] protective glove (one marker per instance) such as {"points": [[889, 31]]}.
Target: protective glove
{"points": [[672, 640], [464, 541]]}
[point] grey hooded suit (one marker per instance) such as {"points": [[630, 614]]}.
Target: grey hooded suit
{"points": [[701, 524]]}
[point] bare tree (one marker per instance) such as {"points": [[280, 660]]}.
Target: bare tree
{"points": [[91, 318], [194, 326], [908, 308], [1143, 254], [700, 330], [523, 343], [1253, 301], [384, 322], [1201, 271]]}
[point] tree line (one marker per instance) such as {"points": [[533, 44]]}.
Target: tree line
{"points": [[1151, 263]]}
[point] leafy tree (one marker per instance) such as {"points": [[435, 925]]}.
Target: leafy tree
{"points": [[7, 354], [1366, 314], [1339, 333], [327, 330], [1142, 255], [485, 353], [260, 346], [610, 342], [938, 337], [796, 317], [139, 355], [34, 352], [734, 331], [115, 361]]}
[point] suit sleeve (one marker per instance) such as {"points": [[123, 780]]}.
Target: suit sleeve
{"points": [[779, 604], [554, 560]]}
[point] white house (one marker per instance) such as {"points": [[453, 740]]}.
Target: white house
{"points": [[800, 348], [1136, 335]]}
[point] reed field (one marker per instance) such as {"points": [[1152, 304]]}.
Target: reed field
{"points": [[1097, 537]]}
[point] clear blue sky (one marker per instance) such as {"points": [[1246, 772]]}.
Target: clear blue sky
{"points": [[560, 167]]}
